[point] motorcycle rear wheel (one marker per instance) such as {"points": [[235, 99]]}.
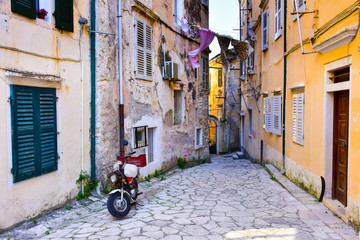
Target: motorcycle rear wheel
{"points": [[116, 207]]}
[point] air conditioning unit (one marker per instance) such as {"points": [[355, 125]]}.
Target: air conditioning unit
{"points": [[251, 71], [171, 70]]}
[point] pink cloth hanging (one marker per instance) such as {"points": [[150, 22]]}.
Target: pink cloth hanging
{"points": [[206, 36]]}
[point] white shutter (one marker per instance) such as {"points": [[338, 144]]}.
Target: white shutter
{"points": [[276, 110], [278, 18], [265, 29], [298, 118], [267, 114], [143, 50], [294, 118], [301, 7], [148, 51]]}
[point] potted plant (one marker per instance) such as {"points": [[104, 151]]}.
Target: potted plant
{"points": [[41, 13]]}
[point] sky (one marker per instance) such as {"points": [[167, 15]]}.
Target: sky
{"points": [[223, 19]]}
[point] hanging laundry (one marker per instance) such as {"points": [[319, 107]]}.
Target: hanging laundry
{"points": [[242, 49], [184, 25], [207, 36], [224, 42]]}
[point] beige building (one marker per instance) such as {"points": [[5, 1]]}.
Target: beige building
{"points": [[44, 107]]}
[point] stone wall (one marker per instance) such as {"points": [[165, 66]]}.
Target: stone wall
{"points": [[148, 103]]}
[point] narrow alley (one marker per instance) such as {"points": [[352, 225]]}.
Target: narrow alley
{"points": [[225, 199]]}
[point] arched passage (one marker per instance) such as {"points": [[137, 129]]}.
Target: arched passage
{"points": [[213, 134]]}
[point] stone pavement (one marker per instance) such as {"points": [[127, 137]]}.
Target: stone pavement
{"points": [[226, 199]]}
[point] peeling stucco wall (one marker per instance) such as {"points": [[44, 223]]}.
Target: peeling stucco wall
{"points": [[149, 103], [43, 56]]}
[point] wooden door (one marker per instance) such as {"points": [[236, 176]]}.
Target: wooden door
{"points": [[340, 155]]}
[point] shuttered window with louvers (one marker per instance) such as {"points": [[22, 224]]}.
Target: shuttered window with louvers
{"points": [[278, 18], [64, 15], [34, 131], [268, 114], [298, 118], [276, 112], [24, 7], [265, 29], [143, 50]]}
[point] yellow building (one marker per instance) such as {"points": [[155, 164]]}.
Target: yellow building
{"points": [[309, 122], [44, 107], [224, 104]]}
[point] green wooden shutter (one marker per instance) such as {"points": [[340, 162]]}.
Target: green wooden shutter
{"points": [[48, 130], [64, 15], [23, 133], [24, 7], [33, 131]]}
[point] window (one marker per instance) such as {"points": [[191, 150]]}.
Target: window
{"points": [[278, 18], [196, 73], [178, 11], [219, 77], [267, 114], [298, 118], [276, 113], [301, 7], [34, 131], [26, 8], [250, 122], [264, 29], [143, 50], [251, 58], [198, 137], [178, 106], [204, 72], [140, 137], [64, 15], [272, 114]]}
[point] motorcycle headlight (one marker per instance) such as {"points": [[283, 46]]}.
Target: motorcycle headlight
{"points": [[113, 178]]}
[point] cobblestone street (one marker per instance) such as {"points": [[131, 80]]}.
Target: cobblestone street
{"points": [[226, 199]]}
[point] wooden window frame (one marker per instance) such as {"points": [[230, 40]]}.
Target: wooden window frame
{"points": [[34, 131], [145, 60]]}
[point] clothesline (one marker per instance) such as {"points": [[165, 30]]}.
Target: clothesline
{"points": [[242, 48]]}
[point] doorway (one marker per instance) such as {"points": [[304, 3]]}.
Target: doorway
{"points": [[213, 135], [340, 146], [151, 145]]}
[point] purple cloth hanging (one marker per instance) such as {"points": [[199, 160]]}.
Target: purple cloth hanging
{"points": [[207, 36]]}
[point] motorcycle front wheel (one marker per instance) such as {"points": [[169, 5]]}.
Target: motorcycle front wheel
{"points": [[116, 207]]}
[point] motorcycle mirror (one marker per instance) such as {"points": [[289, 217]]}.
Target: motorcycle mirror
{"points": [[125, 142]]}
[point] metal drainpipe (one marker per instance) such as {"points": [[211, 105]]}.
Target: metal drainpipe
{"points": [[240, 81], [285, 79], [120, 68], [92, 71]]}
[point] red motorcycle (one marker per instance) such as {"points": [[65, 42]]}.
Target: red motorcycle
{"points": [[125, 177]]}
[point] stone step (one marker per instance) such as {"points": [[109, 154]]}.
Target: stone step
{"points": [[240, 155], [235, 156]]}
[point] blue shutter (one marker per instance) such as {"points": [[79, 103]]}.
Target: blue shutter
{"points": [[24, 7], [33, 131]]}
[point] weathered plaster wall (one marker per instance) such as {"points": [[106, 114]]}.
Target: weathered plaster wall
{"points": [[26, 199], [148, 103]]}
